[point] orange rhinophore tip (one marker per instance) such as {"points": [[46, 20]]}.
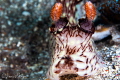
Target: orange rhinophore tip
{"points": [[90, 10], [56, 11]]}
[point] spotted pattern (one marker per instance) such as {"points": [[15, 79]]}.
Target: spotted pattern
{"points": [[73, 53], [72, 47], [69, 10]]}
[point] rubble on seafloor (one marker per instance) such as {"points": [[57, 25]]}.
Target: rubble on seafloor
{"points": [[24, 40]]}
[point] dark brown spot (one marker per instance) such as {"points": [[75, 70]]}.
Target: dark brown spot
{"points": [[71, 51], [90, 60], [58, 71], [93, 56], [79, 61], [82, 47], [81, 55], [78, 49], [68, 61], [82, 69], [60, 40], [87, 61], [90, 47], [84, 56], [85, 74], [52, 28], [87, 67], [76, 69], [58, 65], [96, 62]]}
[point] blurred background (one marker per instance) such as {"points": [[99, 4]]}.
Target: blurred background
{"points": [[24, 38]]}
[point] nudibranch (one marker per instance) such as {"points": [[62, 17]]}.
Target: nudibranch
{"points": [[71, 45]]}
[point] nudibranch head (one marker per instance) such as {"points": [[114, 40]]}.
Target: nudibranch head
{"points": [[90, 10], [56, 11]]}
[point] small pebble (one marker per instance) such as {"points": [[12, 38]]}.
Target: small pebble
{"points": [[11, 65], [11, 38], [5, 59], [35, 29], [118, 51], [19, 23], [26, 13], [18, 44], [3, 26], [40, 72], [16, 54]]}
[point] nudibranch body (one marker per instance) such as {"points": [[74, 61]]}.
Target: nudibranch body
{"points": [[72, 48]]}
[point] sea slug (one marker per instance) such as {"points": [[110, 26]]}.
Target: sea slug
{"points": [[71, 45]]}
